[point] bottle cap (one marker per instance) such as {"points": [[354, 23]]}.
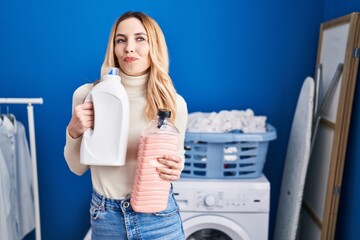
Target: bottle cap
{"points": [[112, 71], [164, 113]]}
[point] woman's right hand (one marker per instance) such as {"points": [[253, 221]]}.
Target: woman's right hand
{"points": [[81, 120]]}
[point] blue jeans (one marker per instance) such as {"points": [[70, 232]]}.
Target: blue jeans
{"points": [[115, 219]]}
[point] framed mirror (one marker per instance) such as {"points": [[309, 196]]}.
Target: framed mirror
{"points": [[338, 58]]}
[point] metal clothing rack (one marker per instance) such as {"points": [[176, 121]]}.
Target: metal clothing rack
{"points": [[30, 113]]}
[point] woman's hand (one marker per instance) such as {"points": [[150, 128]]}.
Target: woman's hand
{"points": [[172, 167], [81, 120]]}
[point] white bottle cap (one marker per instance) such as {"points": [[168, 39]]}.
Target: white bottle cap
{"points": [[112, 71]]}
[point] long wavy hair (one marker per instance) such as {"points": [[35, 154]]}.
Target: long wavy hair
{"points": [[160, 89]]}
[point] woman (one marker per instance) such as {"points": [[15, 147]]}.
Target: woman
{"points": [[137, 47]]}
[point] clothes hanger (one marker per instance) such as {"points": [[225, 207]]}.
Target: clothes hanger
{"points": [[12, 118], [1, 117], [9, 116]]}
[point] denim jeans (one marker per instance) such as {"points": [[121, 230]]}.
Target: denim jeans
{"points": [[115, 219]]}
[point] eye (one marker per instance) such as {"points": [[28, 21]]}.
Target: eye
{"points": [[119, 40], [140, 39]]}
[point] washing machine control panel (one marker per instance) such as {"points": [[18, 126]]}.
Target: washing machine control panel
{"points": [[210, 200], [223, 196], [229, 201]]}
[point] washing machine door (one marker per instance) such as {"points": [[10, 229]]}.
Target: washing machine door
{"points": [[207, 227]]}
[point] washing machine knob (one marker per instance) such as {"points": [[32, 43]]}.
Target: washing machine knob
{"points": [[210, 201]]}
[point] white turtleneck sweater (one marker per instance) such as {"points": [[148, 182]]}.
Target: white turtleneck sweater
{"points": [[116, 182]]}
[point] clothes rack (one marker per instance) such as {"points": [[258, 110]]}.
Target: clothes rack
{"points": [[30, 113]]}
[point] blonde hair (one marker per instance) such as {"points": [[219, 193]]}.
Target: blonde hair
{"points": [[160, 89]]}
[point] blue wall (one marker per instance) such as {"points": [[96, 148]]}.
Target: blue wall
{"points": [[225, 54]]}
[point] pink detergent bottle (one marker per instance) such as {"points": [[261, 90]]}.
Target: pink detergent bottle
{"points": [[150, 193]]}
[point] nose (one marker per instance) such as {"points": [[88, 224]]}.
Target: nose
{"points": [[130, 47]]}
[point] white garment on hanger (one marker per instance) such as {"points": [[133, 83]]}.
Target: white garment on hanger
{"points": [[16, 185], [5, 230], [25, 200], [7, 197]]}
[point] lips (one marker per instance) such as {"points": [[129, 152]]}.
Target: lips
{"points": [[130, 59]]}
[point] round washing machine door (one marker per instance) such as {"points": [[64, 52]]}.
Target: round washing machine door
{"points": [[206, 227]]}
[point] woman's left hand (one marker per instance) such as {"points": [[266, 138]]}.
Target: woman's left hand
{"points": [[172, 167]]}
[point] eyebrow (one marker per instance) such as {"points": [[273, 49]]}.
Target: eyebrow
{"points": [[136, 34]]}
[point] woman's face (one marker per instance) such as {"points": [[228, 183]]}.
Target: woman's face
{"points": [[132, 47]]}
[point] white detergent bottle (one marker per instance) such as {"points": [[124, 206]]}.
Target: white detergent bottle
{"points": [[150, 192], [106, 144]]}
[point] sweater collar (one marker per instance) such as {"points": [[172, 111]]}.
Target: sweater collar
{"points": [[135, 86]]}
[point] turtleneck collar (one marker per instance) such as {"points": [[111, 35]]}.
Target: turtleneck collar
{"points": [[135, 86]]}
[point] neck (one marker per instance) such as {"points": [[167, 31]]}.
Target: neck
{"points": [[136, 86]]}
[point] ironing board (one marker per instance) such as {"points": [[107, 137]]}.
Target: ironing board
{"points": [[296, 163]]}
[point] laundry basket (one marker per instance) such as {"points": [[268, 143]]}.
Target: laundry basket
{"points": [[226, 155]]}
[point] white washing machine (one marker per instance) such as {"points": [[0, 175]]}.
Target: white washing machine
{"points": [[224, 209]]}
